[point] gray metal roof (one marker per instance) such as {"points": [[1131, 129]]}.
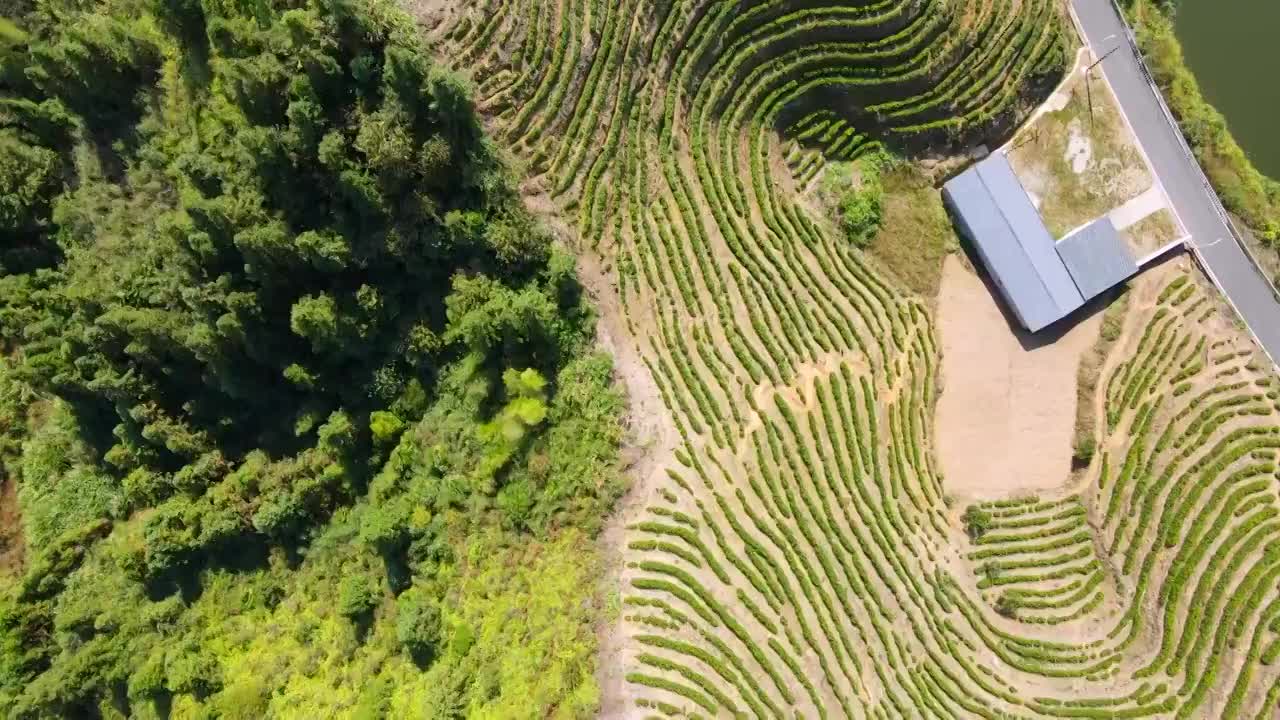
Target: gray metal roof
{"points": [[1032, 235], [1096, 257], [995, 213]]}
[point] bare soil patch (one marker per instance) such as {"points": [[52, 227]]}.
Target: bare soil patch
{"points": [[432, 13], [12, 547], [1007, 413]]}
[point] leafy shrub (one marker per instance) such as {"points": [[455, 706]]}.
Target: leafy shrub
{"points": [[192, 669], [385, 426], [418, 625], [1083, 449], [357, 596], [856, 192], [976, 522], [60, 487]]}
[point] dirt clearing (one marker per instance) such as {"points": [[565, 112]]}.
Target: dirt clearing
{"points": [[1007, 413], [432, 13]]}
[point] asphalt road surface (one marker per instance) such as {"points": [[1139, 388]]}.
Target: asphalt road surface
{"points": [[1220, 252]]}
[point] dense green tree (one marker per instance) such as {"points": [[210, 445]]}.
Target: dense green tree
{"points": [[857, 194], [270, 309], [418, 625], [357, 596]]}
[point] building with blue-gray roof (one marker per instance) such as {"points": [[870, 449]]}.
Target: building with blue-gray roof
{"points": [[1096, 257], [1041, 280]]}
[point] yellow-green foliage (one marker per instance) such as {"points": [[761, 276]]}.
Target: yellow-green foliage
{"points": [[338, 423], [518, 638], [60, 488]]}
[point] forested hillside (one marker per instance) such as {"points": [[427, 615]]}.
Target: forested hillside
{"points": [[300, 403]]}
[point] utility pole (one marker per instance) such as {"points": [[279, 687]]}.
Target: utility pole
{"points": [[1088, 87], [1088, 91], [1098, 62]]}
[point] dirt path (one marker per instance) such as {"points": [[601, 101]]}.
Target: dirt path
{"points": [[1006, 415], [651, 441], [12, 547]]}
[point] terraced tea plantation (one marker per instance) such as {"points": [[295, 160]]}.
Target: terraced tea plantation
{"points": [[798, 555]]}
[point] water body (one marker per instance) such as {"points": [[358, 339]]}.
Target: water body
{"points": [[1233, 47]]}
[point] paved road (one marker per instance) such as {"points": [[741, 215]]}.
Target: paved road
{"points": [[1220, 253]]}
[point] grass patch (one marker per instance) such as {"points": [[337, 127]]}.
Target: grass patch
{"points": [[915, 235], [1151, 232]]}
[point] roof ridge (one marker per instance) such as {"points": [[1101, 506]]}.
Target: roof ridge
{"points": [[1018, 237]]}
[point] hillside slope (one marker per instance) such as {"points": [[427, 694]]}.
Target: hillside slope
{"points": [[302, 407], [799, 554]]}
